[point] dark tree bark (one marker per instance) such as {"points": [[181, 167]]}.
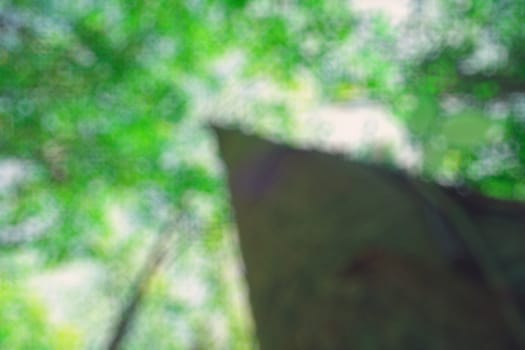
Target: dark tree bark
{"points": [[344, 255]]}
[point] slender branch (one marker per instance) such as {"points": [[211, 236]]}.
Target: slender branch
{"points": [[158, 252]]}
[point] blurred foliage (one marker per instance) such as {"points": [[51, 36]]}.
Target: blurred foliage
{"points": [[461, 92], [25, 325], [101, 109]]}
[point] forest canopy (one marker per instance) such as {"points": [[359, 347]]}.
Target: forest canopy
{"points": [[104, 139]]}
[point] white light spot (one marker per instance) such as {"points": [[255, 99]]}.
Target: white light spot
{"points": [[360, 126], [396, 10]]}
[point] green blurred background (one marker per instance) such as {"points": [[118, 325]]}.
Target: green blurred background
{"points": [[104, 108]]}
